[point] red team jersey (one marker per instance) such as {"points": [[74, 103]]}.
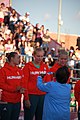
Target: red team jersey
{"points": [[55, 67], [30, 77], [10, 78]]}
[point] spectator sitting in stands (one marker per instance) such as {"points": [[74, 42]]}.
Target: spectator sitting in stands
{"points": [[13, 20], [52, 52], [7, 16], [51, 60], [29, 35], [46, 39], [37, 44], [2, 60], [1, 47], [9, 47], [25, 18], [2, 11], [39, 36]]}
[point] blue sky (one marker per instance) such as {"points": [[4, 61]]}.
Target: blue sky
{"points": [[46, 12]]}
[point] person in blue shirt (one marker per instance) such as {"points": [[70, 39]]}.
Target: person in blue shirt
{"points": [[57, 98]]}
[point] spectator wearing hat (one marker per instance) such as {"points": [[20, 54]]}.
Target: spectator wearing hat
{"points": [[52, 52], [52, 57]]}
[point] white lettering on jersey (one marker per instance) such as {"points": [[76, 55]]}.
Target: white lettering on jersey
{"points": [[14, 77], [37, 72]]}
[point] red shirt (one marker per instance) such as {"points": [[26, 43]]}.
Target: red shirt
{"points": [[77, 92], [30, 77], [55, 67], [10, 78]]}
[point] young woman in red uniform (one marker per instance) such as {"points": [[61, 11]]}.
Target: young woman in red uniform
{"points": [[77, 96], [10, 83], [33, 104], [62, 61]]}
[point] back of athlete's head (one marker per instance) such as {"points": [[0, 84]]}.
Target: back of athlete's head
{"points": [[62, 75]]}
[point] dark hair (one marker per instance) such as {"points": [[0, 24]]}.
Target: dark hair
{"points": [[71, 48], [62, 75], [3, 4], [10, 55]]}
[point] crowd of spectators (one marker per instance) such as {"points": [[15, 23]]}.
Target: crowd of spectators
{"points": [[18, 34]]}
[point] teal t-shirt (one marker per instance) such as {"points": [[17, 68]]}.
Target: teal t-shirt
{"points": [[37, 66]]}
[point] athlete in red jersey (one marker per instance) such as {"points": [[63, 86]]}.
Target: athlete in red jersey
{"points": [[62, 61], [34, 106], [10, 83], [77, 96]]}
